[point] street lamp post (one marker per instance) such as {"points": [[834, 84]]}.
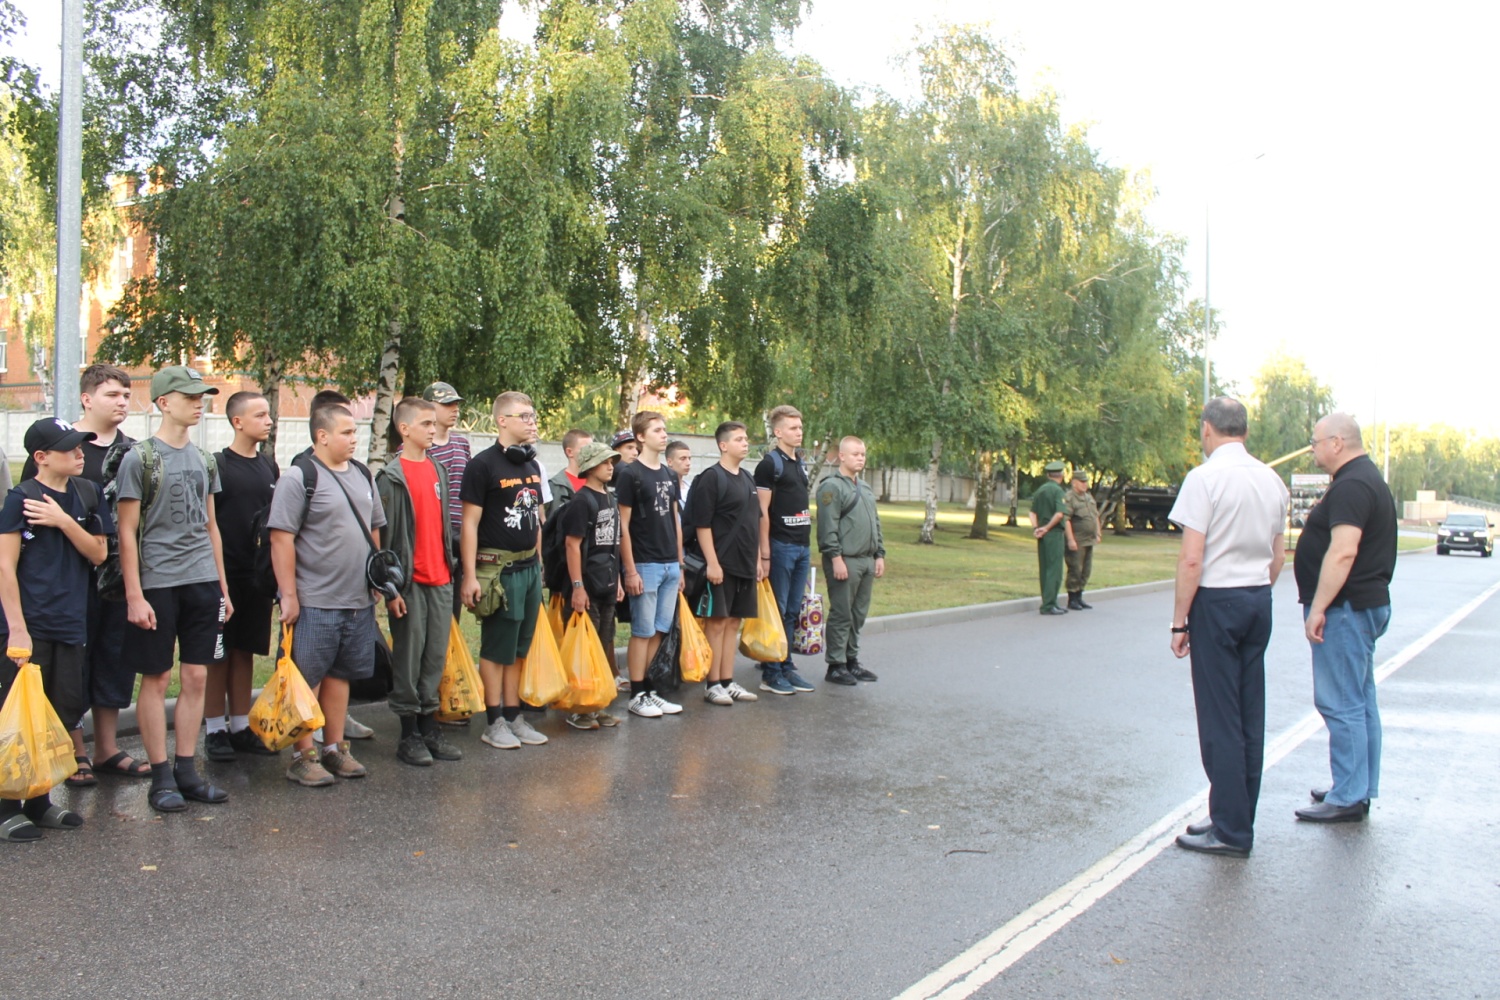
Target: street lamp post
{"points": [[1208, 312], [67, 352]]}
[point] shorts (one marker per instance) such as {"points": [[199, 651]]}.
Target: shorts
{"points": [[335, 642], [248, 630], [652, 610], [62, 667], [110, 675], [189, 620], [736, 597], [505, 636]]}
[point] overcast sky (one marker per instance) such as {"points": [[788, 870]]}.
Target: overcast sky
{"points": [[1362, 239]]}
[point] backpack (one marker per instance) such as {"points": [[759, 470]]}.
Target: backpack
{"points": [[555, 546], [32, 490], [263, 573], [111, 579]]}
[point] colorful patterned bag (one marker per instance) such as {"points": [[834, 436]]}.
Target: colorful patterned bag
{"points": [[807, 638]]}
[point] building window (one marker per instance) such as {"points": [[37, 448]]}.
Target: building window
{"points": [[4, 350], [125, 261]]}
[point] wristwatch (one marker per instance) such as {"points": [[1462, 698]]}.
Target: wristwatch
{"points": [[1178, 631], [577, 584]]}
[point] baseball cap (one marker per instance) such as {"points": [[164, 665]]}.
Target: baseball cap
{"points": [[621, 437], [180, 378], [595, 453], [441, 392], [52, 434]]}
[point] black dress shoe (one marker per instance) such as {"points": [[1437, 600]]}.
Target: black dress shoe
{"points": [[1199, 829], [859, 673], [1208, 843], [1054, 610], [837, 674], [1327, 812], [1319, 794]]}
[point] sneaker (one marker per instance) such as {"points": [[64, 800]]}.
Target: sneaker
{"points": [[641, 705], [306, 770], [499, 736], [716, 695], [455, 723], [774, 682], [356, 730], [858, 672], [606, 720], [796, 680], [738, 693], [667, 707], [525, 733], [218, 746], [581, 720], [245, 741], [440, 748], [413, 750], [341, 762]]}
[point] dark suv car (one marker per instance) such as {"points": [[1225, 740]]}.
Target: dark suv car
{"points": [[1466, 533]]}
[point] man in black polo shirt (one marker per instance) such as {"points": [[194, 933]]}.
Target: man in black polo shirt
{"points": [[1345, 559], [785, 534]]}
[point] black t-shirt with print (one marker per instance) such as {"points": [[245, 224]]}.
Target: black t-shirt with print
{"points": [[248, 486], [1358, 497], [727, 504], [511, 495], [595, 518], [651, 495], [790, 519]]}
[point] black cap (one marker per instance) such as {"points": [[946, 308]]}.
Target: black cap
{"points": [[622, 437], [52, 434]]}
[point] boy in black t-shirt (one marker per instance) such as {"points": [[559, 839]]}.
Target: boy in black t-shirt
{"points": [[249, 480], [724, 512], [785, 537], [502, 577], [52, 533], [591, 528]]}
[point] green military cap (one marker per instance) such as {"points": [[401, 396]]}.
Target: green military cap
{"points": [[1080, 475], [1052, 467], [180, 378], [441, 392], [595, 453]]}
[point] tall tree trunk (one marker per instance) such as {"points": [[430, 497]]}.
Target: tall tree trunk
{"points": [[390, 355], [272, 376], [1013, 482], [984, 494], [633, 379], [929, 520], [885, 486]]}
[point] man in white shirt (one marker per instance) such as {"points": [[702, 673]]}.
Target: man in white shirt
{"points": [[1232, 512]]}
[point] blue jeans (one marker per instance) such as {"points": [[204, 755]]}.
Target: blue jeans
{"points": [[1344, 692], [652, 610], [789, 565]]}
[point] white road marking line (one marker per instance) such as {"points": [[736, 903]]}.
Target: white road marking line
{"points": [[980, 964]]}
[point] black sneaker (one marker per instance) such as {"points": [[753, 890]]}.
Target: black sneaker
{"points": [[219, 746], [839, 674], [245, 741], [858, 672], [413, 750], [440, 748]]}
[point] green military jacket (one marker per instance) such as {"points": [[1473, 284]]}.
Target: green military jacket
{"points": [[1083, 515], [848, 522], [1046, 501]]}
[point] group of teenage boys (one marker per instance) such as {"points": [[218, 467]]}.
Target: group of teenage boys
{"points": [[459, 530]]}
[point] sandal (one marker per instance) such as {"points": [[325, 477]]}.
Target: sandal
{"points": [[83, 777], [167, 800], [19, 830], [58, 818], [118, 767]]}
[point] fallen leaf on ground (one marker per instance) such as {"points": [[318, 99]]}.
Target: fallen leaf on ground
{"points": [[417, 854], [148, 868]]}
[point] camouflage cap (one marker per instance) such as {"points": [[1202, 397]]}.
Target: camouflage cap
{"points": [[441, 392], [595, 453], [1080, 475]]}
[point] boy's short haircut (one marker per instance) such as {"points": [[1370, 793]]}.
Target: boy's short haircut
{"points": [[240, 402], [409, 407], [327, 397], [673, 447], [324, 417], [96, 375], [783, 413], [726, 430], [574, 436], [508, 399], [642, 422]]}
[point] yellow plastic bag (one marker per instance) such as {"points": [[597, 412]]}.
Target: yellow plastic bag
{"points": [[696, 656], [591, 682], [287, 709], [36, 752], [764, 637], [555, 609], [542, 677], [460, 692]]}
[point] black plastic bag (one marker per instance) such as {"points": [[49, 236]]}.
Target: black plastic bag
{"points": [[663, 672]]}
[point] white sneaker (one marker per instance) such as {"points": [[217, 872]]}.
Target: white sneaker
{"points": [[356, 730], [641, 705], [666, 707], [525, 733], [716, 695], [499, 736], [738, 693]]}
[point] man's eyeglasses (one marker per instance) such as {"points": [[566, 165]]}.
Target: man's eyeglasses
{"points": [[525, 418], [1314, 442]]}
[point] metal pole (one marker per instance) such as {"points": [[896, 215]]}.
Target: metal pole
{"points": [[67, 353], [1208, 312]]}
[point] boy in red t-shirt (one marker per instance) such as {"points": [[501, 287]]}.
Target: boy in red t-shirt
{"points": [[413, 490]]}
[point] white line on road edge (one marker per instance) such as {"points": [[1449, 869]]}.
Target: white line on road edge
{"points": [[980, 964]]}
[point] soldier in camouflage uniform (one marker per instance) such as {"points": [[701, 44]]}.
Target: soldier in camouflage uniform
{"points": [[1081, 524]]}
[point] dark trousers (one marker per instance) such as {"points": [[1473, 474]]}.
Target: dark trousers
{"points": [[1231, 627]]}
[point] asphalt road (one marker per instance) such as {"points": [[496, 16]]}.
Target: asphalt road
{"points": [[846, 843]]}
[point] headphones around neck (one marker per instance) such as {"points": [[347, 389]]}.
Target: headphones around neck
{"points": [[520, 453]]}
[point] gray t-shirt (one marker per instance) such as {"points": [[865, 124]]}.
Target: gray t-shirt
{"points": [[331, 547], [175, 547]]}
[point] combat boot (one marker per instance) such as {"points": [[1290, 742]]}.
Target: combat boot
{"points": [[1075, 600], [1082, 604]]}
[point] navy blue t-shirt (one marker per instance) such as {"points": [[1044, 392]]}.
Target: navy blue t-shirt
{"points": [[54, 577]]}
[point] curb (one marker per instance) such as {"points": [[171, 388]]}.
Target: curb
{"points": [[874, 626]]}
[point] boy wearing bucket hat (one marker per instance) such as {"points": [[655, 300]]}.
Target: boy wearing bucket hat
{"points": [[591, 531]]}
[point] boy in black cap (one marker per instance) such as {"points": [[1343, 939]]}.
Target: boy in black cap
{"points": [[626, 444], [52, 533], [176, 594]]}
